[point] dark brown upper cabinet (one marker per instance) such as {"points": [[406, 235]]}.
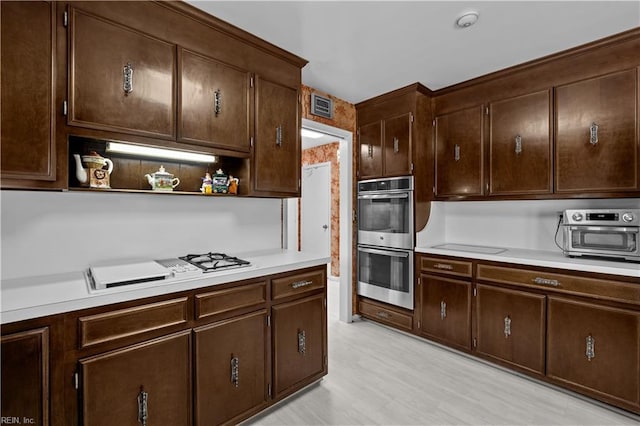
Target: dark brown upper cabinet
{"points": [[214, 103], [385, 147], [597, 134], [459, 152], [520, 148], [276, 150], [370, 144], [120, 79], [28, 36]]}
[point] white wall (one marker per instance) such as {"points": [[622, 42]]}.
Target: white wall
{"points": [[54, 232], [529, 224]]}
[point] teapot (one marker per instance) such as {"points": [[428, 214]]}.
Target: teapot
{"points": [[90, 170], [162, 180]]}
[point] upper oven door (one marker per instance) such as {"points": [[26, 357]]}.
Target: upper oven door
{"points": [[602, 239], [386, 219]]}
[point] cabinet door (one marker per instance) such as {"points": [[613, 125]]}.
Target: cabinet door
{"points": [[446, 310], [595, 349], [520, 145], [120, 79], [25, 376], [151, 380], [397, 145], [28, 148], [596, 134], [299, 343], [459, 153], [511, 326], [370, 143], [214, 103], [230, 369], [276, 153]]}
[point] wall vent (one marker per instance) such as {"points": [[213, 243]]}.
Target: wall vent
{"points": [[321, 106]]}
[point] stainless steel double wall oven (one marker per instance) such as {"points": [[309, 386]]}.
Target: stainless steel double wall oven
{"points": [[386, 240]]}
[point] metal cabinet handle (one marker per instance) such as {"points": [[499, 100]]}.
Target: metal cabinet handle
{"points": [[396, 147], [299, 284], [507, 326], [590, 351], [302, 342], [217, 102], [235, 371], [382, 314], [456, 152], [279, 135], [370, 151], [143, 414], [518, 140], [593, 133], [546, 281], [127, 78], [443, 310], [443, 266]]}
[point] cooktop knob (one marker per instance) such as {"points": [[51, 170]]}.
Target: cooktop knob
{"points": [[577, 217], [627, 217]]}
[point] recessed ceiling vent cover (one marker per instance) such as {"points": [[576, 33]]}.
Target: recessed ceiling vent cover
{"points": [[321, 106]]}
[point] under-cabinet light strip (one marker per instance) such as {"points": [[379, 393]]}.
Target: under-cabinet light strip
{"points": [[147, 151]]}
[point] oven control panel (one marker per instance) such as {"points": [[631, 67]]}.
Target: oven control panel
{"points": [[602, 217]]}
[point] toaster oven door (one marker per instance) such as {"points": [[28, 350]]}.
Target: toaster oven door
{"points": [[604, 240]]}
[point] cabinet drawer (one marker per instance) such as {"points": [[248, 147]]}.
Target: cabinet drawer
{"points": [[446, 266], [220, 301], [602, 289], [384, 315], [298, 284], [109, 326]]}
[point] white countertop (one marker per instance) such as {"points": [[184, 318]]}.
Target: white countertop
{"points": [[32, 297], [549, 259]]}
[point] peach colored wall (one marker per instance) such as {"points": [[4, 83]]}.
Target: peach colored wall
{"points": [[322, 154]]}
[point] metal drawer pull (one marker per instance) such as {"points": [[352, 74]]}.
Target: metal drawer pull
{"points": [[518, 149], [591, 348], [593, 134], [456, 152], [443, 266], [127, 79], [370, 151], [382, 314], [546, 281], [217, 102], [143, 413], [302, 342], [279, 135], [443, 310], [396, 148], [235, 371], [299, 284], [507, 326]]}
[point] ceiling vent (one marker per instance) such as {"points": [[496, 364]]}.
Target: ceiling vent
{"points": [[321, 106]]}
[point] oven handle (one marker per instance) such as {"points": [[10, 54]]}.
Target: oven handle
{"points": [[381, 196], [604, 228], [384, 252]]}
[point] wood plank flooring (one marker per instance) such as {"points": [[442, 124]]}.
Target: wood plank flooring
{"points": [[381, 377]]}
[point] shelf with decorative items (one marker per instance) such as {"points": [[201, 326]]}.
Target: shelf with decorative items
{"points": [[100, 165]]}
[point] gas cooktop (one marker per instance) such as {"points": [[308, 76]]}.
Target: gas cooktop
{"points": [[210, 262]]}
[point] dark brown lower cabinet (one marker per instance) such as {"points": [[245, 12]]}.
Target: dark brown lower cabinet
{"points": [[147, 383], [230, 367], [511, 326], [446, 310], [595, 349], [25, 376], [299, 343]]}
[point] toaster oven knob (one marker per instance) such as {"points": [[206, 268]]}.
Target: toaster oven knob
{"points": [[577, 217], [627, 217]]}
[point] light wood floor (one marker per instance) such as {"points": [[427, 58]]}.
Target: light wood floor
{"points": [[381, 377]]}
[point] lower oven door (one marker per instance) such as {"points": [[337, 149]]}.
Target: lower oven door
{"points": [[602, 240], [386, 275]]}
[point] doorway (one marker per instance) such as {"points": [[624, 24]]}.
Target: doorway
{"points": [[344, 141]]}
